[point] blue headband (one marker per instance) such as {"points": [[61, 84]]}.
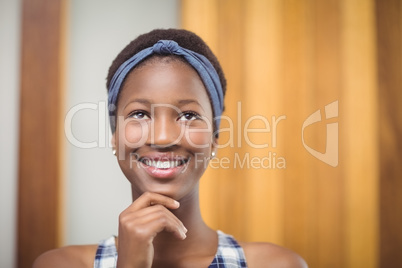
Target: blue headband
{"points": [[200, 63]]}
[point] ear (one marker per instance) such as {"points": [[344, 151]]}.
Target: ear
{"points": [[113, 140], [214, 145]]}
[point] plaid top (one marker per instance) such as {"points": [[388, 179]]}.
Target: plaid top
{"points": [[229, 254]]}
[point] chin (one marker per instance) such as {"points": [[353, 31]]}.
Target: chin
{"points": [[172, 191]]}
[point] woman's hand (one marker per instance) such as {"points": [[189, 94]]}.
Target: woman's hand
{"points": [[140, 223]]}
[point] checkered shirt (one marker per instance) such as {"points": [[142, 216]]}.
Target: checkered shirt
{"points": [[229, 254]]}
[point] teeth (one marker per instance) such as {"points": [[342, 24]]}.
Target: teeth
{"points": [[162, 164]]}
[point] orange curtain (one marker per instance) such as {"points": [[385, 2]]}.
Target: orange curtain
{"points": [[271, 180]]}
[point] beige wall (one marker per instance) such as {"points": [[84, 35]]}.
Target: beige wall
{"points": [[96, 189], [9, 99]]}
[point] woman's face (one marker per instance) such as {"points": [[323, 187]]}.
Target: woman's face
{"points": [[164, 132]]}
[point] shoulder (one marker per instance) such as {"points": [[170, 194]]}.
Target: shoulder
{"points": [[270, 255], [70, 256]]}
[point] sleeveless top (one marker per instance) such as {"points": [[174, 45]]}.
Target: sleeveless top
{"points": [[229, 254]]}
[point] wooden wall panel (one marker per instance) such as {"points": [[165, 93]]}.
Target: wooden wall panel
{"points": [[262, 76], [327, 84], [292, 58], [389, 39], [360, 124], [40, 150], [300, 206]]}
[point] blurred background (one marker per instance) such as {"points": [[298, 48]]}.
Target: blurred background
{"points": [[328, 189]]}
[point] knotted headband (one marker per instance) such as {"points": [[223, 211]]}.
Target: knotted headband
{"points": [[200, 63]]}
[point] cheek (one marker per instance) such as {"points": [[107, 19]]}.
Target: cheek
{"points": [[200, 139], [134, 135]]}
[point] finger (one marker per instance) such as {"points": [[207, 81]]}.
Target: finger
{"points": [[158, 221], [152, 211], [150, 199], [146, 227]]}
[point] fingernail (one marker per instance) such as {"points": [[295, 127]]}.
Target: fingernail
{"points": [[177, 203]]}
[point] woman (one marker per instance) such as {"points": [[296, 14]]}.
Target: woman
{"points": [[166, 91]]}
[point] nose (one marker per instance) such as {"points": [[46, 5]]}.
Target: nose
{"points": [[165, 132]]}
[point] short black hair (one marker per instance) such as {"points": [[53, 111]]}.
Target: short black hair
{"points": [[184, 38]]}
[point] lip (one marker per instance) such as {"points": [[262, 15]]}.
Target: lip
{"points": [[162, 172]]}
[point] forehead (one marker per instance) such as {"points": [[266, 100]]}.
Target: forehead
{"points": [[156, 58], [164, 80]]}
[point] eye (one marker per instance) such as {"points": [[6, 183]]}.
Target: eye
{"points": [[138, 115], [189, 116]]}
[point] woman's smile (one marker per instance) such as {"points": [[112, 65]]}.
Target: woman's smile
{"points": [[163, 165]]}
